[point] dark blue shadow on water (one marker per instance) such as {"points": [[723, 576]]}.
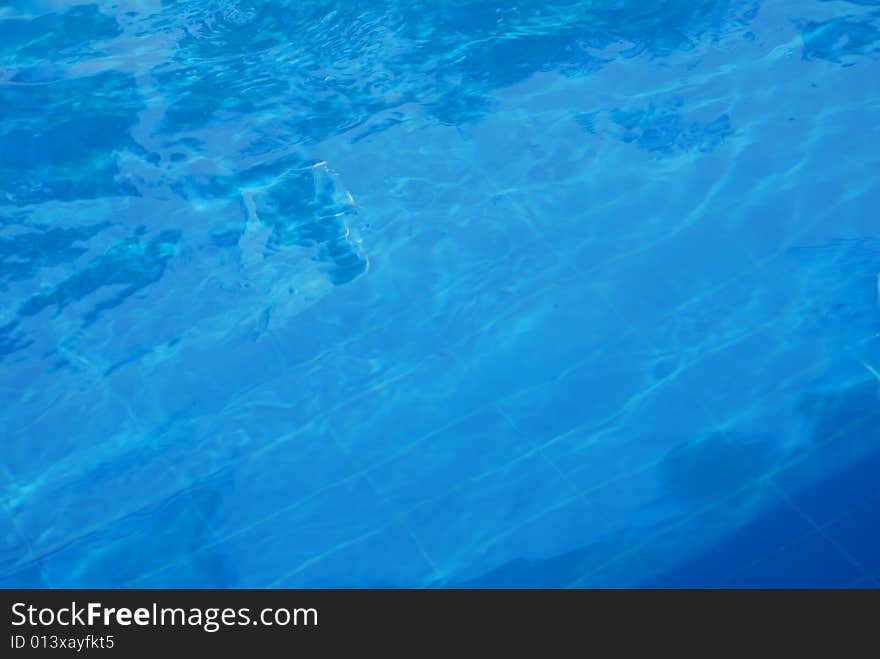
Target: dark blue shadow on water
{"points": [[777, 549], [781, 548], [817, 532]]}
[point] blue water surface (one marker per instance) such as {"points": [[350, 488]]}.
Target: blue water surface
{"points": [[447, 293]]}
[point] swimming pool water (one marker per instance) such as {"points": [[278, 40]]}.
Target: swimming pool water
{"points": [[449, 293]]}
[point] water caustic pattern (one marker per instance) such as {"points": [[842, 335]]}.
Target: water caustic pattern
{"points": [[369, 293]]}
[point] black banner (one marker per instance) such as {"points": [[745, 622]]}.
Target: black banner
{"points": [[136, 622]]}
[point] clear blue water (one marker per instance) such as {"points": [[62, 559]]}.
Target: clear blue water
{"points": [[460, 292]]}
